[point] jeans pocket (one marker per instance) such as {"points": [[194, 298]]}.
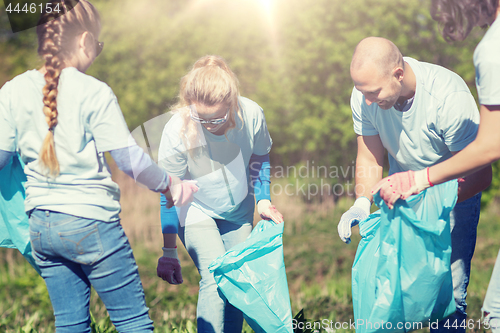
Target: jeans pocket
{"points": [[36, 241], [83, 245]]}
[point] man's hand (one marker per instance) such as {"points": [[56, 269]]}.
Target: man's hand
{"points": [[268, 211], [169, 266], [357, 213], [180, 193], [402, 185]]}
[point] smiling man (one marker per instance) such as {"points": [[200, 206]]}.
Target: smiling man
{"points": [[421, 114]]}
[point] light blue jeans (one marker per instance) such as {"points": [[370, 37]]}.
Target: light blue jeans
{"points": [[491, 306], [463, 223], [74, 253], [206, 240]]}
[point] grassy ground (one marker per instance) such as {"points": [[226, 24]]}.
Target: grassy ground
{"points": [[318, 268]]}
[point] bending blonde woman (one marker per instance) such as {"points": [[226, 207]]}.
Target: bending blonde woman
{"points": [[220, 140]]}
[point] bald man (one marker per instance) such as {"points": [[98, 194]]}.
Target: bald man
{"points": [[421, 114]]}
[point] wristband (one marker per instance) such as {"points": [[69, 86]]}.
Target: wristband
{"points": [[428, 179]]}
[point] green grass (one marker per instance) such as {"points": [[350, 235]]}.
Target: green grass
{"points": [[318, 271]]}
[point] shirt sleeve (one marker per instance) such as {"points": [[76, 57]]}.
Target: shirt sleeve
{"points": [[458, 120], [106, 123], [362, 124], [7, 126], [260, 175], [172, 156], [169, 217], [487, 66], [262, 138], [139, 166]]}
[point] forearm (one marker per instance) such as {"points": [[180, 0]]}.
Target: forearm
{"points": [[170, 240], [470, 160], [484, 150], [139, 166], [368, 173], [260, 176], [169, 223]]}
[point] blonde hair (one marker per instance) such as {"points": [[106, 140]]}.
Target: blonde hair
{"points": [[210, 82], [57, 40]]}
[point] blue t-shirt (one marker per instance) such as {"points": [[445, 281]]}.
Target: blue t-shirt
{"points": [[487, 63], [220, 164], [443, 118], [90, 123]]}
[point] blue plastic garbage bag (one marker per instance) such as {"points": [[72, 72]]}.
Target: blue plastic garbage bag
{"points": [[14, 223], [252, 277], [401, 274]]}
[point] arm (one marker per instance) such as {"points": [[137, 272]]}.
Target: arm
{"points": [[169, 266], [369, 166], [260, 177], [474, 183], [483, 151], [480, 153], [139, 166], [169, 223]]}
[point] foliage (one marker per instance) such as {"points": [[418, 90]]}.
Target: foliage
{"points": [[291, 56]]}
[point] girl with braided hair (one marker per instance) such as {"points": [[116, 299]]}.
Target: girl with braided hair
{"points": [[457, 18], [61, 122]]}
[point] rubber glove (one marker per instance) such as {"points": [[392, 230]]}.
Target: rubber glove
{"points": [[169, 266], [180, 193], [268, 211], [402, 185], [357, 213]]}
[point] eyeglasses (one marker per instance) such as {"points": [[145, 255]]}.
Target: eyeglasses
{"points": [[217, 121]]}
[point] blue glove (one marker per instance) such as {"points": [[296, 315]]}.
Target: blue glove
{"points": [[357, 213]]}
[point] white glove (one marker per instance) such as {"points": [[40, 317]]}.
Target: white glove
{"points": [[357, 213], [268, 211]]}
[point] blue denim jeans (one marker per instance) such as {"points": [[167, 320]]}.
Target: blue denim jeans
{"points": [[74, 253], [463, 223], [206, 240], [491, 305]]}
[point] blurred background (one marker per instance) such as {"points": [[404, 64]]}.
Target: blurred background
{"points": [[292, 57]]}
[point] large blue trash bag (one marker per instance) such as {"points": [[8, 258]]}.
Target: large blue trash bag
{"points": [[14, 223], [252, 277], [401, 273]]}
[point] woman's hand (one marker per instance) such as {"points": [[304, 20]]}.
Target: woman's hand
{"points": [[402, 185], [268, 211]]}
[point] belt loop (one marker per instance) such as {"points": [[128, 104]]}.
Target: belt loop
{"points": [[47, 213]]}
